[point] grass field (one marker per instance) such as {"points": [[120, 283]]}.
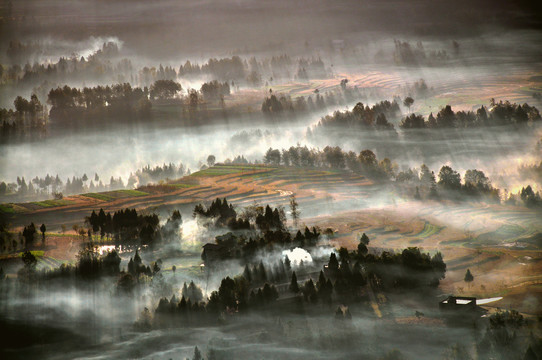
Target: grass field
{"points": [[99, 196], [53, 203], [36, 253], [182, 186], [7, 208], [220, 170]]}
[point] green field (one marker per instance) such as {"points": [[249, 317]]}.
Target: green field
{"points": [[53, 203], [36, 253], [113, 195], [99, 196], [429, 230], [7, 208], [128, 193], [182, 186], [220, 170]]}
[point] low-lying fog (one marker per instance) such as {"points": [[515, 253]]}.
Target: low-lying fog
{"points": [[496, 150]]}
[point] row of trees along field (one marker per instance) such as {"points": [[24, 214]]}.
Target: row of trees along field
{"points": [[106, 64], [29, 117], [283, 104], [30, 236], [342, 280], [361, 117], [365, 162], [224, 215], [499, 113], [415, 183], [45, 187]]}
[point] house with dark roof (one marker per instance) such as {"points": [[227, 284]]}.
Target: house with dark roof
{"points": [[461, 305]]}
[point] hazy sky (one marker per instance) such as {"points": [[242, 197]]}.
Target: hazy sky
{"points": [[168, 27]]}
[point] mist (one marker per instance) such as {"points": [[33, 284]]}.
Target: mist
{"points": [[273, 179]]}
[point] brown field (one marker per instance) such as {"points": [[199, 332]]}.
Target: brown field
{"points": [[510, 267], [464, 90]]}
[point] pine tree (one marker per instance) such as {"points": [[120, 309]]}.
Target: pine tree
{"points": [[287, 263], [333, 264], [131, 268], [362, 249], [137, 259], [364, 239], [294, 210], [262, 273], [43, 229], [197, 354], [468, 276], [294, 287], [246, 274]]}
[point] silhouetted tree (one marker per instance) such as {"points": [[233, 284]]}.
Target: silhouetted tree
{"points": [[449, 179], [272, 157], [29, 260], [197, 354], [408, 101], [294, 287], [294, 209], [29, 233], [333, 264], [43, 229], [364, 239], [362, 249], [413, 121], [164, 89], [468, 277], [287, 263], [211, 160]]}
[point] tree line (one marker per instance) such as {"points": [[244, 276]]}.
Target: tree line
{"points": [[97, 66], [423, 184], [365, 162], [30, 117], [499, 113], [406, 54], [282, 104], [224, 215], [44, 187], [414, 183], [361, 117], [126, 227], [95, 102], [238, 246], [342, 279], [253, 72]]}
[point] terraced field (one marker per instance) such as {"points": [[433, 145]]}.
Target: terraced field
{"points": [[501, 245], [241, 184], [476, 87]]}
